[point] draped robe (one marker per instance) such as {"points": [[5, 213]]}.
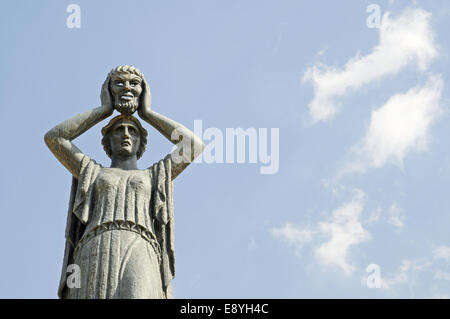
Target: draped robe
{"points": [[120, 232]]}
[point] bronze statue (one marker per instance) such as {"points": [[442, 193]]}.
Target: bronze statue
{"points": [[120, 219]]}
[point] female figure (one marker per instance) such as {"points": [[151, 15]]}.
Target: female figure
{"points": [[120, 220]]}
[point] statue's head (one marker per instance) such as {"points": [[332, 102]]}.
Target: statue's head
{"points": [[124, 137], [126, 87]]}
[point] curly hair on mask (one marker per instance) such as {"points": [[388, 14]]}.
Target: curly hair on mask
{"points": [[106, 141], [126, 69]]}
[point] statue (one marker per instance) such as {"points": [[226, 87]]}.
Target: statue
{"points": [[120, 220]]}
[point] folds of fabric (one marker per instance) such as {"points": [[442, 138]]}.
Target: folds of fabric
{"points": [[83, 199], [164, 216]]}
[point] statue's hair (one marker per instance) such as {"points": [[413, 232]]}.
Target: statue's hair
{"points": [[107, 129], [126, 69]]}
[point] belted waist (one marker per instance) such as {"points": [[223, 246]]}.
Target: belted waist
{"points": [[120, 225]]}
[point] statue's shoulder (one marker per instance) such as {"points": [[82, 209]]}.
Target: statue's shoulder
{"points": [[89, 167]]}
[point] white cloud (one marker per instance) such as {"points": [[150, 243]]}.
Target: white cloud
{"points": [[407, 39], [406, 274], [417, 275], [400, 278], [441, 252], [344, 230], [396, 216], [402, 124], [374, 216], [294, 236]]}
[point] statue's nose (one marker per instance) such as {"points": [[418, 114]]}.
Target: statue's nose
{"points": [[126, 133]]}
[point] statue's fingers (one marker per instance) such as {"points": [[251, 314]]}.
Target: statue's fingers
{"points": [[145, 86], [147, 95], [106, 83], [105, 94]]}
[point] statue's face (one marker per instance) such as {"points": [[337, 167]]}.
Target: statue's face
{"points": [[125, 139], [126, 89]]}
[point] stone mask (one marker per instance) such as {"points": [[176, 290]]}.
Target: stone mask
{"points": [[125, 89]]}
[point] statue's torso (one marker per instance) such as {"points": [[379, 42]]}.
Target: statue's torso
{"points": [[121, 201], [122, 195]]}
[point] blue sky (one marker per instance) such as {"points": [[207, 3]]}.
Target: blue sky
{"points": [[362, 113]]}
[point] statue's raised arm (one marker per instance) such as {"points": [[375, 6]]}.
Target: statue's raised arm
{"points": [[189, 146], [59, 139]]}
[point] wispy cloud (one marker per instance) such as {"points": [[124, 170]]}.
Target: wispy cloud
{"points": [[442, 252], [334, 237], [400, 126], [373, 217], [406, 273], [402, 123], [412, 273], [344, 230], [296, 237], [407, 39]]}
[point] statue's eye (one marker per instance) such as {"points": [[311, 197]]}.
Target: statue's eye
{"points": [[119, 83], [132, 131], [134, 83]]}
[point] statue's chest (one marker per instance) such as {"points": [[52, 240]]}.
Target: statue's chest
{"points": [[111, 180]]}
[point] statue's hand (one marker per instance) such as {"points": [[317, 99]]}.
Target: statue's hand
{"points": [[106, 98], [145, 100]]}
